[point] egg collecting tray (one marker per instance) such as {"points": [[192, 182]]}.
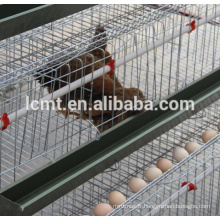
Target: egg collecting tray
{"points": [[30, 144]]}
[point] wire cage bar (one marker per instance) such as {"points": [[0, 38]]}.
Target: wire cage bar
{"points": [[35, 62]]}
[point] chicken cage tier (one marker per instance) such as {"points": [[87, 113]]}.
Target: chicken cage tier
{"points": [[47, 153], [157, 197]]}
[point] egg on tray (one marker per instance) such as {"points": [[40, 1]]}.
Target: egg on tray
{"points": [[164, 164], [179, 154], [116, 198], [208, 135], [102, 209], [136, 184], [190, 147], [152, 173]]}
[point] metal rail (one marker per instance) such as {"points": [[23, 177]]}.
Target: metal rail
{"points": [[26, 18], [47, 184]]}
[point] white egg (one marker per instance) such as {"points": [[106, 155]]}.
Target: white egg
{"points": [[152, 173], [191, 147], [102, 209], [180, 154], [208, 135], [136, 184]]}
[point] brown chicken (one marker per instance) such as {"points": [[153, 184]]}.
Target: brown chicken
{"points": [[96, 56]]}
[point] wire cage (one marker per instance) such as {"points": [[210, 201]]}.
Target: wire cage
{"points": [[43, 58], [151, 200]]}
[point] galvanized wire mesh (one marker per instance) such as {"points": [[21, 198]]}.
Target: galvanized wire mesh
{"points": [[43, 136]]}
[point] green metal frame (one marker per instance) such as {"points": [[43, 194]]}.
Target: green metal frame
{"points": [[13, 9], [39, 189], [24, 18]]}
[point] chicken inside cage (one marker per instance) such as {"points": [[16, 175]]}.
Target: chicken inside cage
{"points": [[107, 86], [86, 125]]}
